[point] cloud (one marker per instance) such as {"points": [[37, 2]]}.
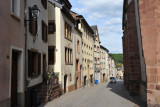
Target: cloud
{"points": [[107, 14]]}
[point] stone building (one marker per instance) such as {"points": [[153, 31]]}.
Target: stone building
{"points": [[87, 49], [104, 65], [62, 43], [97, 66], [12, 52], [36, 50], [141, 49]]}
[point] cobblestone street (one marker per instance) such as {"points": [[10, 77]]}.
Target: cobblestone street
{"points": [[102, 95]]}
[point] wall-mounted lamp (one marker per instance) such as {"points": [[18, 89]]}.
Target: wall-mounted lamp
{"points": [[35, 11]]}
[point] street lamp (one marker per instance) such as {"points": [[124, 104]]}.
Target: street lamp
{"points": [[35, 11]]}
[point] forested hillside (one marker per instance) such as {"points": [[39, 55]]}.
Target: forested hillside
{"points": [[118, 59]]}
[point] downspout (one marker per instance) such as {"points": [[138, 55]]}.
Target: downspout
{"points": [[26, 61], [93, 61], [75, 54]]}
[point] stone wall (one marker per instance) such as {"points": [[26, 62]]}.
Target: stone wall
{"points": [[150, 24], [132, 69]]}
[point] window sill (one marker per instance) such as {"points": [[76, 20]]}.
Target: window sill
{"points": [[69, 63], [68, 39], [33, 77], [44, 41], [15, 16]]}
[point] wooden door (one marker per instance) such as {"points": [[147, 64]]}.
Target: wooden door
{"points": [[77, 83], [44, 67], [65, 83], [14, 79]]}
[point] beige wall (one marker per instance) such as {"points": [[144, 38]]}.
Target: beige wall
{"points": [[87, 53], [58, 39], [97, 63], [78, 37]]}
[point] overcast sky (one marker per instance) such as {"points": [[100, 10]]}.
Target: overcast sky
{"points": [[107, 14]]}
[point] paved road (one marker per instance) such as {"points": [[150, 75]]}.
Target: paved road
{"points": [[101, 95]]}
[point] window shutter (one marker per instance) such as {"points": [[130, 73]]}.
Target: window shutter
{"points": [[54, 55], [39, 63], [30, 64], [46, 33]]}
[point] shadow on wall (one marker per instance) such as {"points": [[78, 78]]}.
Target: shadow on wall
{"points": [[119, 89]]}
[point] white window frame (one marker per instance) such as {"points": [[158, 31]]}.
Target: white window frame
{"points": [[16, 11]]}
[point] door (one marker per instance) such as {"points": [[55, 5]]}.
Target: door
{"points": [[103, 77], [81, 76], [65, 83], [85, 80], [14, 79], [77, 83], [91, 79], [44, 67]]}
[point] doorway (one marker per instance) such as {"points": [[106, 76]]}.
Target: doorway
{"points": [[85, 77], [14, 84], [81, 83], [91, 79], [65, 83], [103, 77], [77, 83], [44, 67]]}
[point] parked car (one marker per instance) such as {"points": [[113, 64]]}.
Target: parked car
{"points": [[112, 79]]}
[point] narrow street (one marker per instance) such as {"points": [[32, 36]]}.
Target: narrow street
{"points": [[101, 95]]}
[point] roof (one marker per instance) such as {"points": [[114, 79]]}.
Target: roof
{"points": [[68, 4], [94, 28], [80, 17], [104, 48]]}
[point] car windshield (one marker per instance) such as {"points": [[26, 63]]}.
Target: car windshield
{"points": [[111, 77]]}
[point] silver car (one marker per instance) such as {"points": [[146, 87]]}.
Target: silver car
{"points": [[112, 79]]}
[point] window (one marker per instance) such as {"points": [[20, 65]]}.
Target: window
{"points": [[95, 60], [15, 7], [95, 49], [51, 55], [32, 24], [78, 47], [68, 56], [44, 32], [68, 31], [44, 3], [51, 27], [34, 64], [98, 61], [77, 65]]}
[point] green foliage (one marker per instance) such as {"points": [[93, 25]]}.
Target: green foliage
{"points": [[118, 59]]}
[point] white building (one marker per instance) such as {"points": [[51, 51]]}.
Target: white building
{"points": [[104, 64], [62, 43]]}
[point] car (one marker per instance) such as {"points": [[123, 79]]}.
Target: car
{"points": [[112, 79]]}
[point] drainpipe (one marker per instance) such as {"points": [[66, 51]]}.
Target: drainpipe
{"points": [[26, 54], [26, 61], [75, 53]]}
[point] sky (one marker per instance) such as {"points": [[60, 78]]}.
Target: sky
{"points": [[107, 15]]}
